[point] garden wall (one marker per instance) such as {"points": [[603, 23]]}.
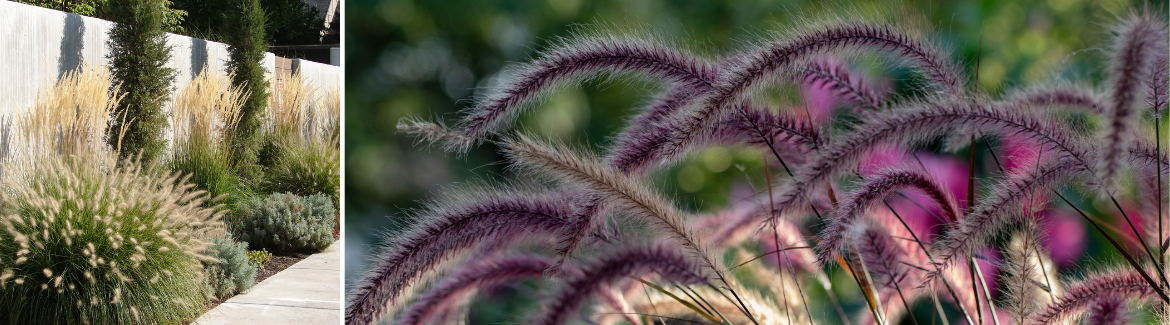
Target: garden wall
{"points": [[37, 45]]}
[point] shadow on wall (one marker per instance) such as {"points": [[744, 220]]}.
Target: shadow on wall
{"points": [[72, 41], [198, 55]]}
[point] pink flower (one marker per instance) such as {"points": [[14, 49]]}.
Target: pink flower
{"points": [[1065, 237]]}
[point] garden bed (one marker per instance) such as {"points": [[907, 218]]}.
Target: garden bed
{"points": [[273, 266]]}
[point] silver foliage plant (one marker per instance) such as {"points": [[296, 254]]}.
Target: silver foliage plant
{"points": [[617, 250]]}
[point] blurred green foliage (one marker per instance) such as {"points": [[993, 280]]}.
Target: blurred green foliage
{"points": [[287, 22], [427, 58]]}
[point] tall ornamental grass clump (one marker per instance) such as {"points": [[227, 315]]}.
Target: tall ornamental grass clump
{"points": [[90, 243], [285, 223], [922, 199], [68, 117], [302, 152], [203, 116]]}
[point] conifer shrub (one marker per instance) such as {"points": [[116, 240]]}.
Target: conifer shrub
{"points": [[88, 241], [246, 47], [138, 58], [285, 223], [232, 271]]}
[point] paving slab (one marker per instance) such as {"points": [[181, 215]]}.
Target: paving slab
{"points": [[305, 293]]}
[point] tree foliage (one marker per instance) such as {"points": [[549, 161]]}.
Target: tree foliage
{"points": [[288, 22], [172, 17]]}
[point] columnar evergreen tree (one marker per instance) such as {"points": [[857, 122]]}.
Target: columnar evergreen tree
{"points": [[138, 57], [247, 47]]}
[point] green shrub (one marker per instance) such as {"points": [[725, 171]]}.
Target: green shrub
{"points": [[259, 258], [285, 222], [138, 60], [86, 243], [234, 272]]}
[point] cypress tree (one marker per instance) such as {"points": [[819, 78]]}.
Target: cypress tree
{"points": [[138, 58], [246, 47]]}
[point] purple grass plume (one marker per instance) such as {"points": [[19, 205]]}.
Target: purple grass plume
{"points": [[756, 66], [577, 59], [1131, 65], [1108, 311], [922, 123], [1083, 295], [637, 153], [854, 88], [480, 275], [1006, 203], [487, 223], [667, 262], [873, 190]]}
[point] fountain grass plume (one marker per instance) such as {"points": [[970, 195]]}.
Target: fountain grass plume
{"points": [[1145, 161], [642, 147], [1082, 295], [1130, 65], [668, 262], [634, 146], [849, 85], [484, 220], [1063, 95], [1029, 276], [897, 283], [479, 275], [920, 123], [875, 189], [749, 70], [1005, 203], [1158, 85], [1108, 311], [577, 59], [620, 191]]}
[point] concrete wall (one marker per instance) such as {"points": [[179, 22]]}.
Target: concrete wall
{"points": [[37, 45], [323, 76]]}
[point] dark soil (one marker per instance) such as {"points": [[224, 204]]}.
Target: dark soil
{"points": [[278, 263]]}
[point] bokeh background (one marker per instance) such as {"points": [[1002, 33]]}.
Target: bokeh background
{"points": [[427, 58]]}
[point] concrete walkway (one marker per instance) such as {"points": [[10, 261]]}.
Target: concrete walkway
{"points": [[306, 293]]}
